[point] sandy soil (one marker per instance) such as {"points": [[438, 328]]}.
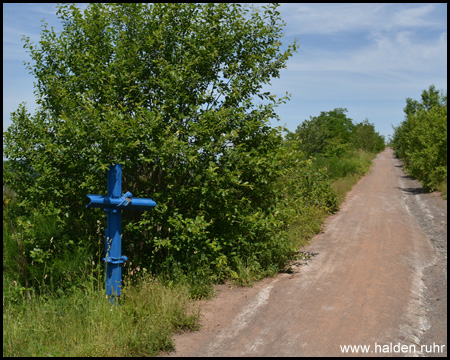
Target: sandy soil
{"points": [[377, 277]]}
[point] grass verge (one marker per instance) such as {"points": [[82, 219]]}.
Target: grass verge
{"points": [[344, 173], [86, 324]]}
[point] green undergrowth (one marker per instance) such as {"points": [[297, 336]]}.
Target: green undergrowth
{"points": [[346, 172], [443, 189], [86, 324], [343, 172]]}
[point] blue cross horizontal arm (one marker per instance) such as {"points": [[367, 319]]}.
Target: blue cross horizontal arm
{"points": [[99, 201]]}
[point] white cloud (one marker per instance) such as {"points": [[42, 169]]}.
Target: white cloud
{"points": [[327, 18], [332, 18], [384, 54], [386, 39], [415, 17]]}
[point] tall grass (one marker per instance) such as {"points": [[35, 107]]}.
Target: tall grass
{"points": [[307, 225], [345, 171], [443, 189], [353, 162], [86, 324]]}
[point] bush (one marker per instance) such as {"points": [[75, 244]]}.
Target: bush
{"points": [[38, 255], [421, 139]]}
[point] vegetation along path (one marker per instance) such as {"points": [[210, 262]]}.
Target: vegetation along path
{"points": [[376, 278]]}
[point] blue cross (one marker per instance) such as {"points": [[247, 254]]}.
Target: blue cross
{"points": [[113, 203]]}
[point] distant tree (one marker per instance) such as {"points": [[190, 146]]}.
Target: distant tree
{"points": [[366, 138], [329, 133]]}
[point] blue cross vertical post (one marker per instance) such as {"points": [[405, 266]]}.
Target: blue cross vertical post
{"points": [[113, 203]]}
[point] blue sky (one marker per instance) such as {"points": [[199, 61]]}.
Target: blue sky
{"points": [[367, 58]]}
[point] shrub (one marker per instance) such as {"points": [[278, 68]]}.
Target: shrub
{"points": [[421, 139]]}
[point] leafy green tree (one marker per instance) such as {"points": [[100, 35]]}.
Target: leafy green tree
{"points": [[430, 99], [168, 91]]}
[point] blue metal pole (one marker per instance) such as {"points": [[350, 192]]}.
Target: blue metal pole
{"points": [[113, 248], [113, 240]]}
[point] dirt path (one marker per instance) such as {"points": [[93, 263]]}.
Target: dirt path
{"points": [[377, 277]]}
